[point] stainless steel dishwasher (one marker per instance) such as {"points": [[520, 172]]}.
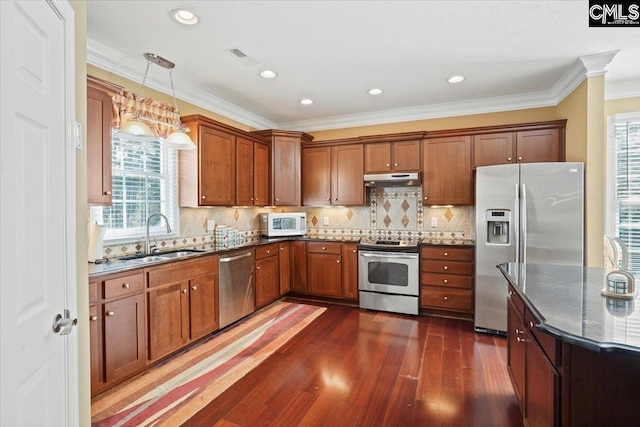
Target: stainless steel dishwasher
{"points": [[237, 291]]}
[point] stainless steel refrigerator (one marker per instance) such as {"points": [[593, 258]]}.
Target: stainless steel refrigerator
{"points": [[530, 212]]}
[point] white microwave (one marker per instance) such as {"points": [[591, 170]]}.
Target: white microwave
{"points": [[283, 224]]}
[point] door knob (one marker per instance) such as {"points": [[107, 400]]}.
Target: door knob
{"points": [[63, 325]]}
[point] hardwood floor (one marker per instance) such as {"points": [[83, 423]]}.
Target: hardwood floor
{"points": [[361, 368]]}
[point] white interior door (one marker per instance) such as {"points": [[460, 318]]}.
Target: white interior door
{"points": [[37, 205]]}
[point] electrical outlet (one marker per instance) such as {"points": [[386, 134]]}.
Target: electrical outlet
{"points": [[325, 220], [434, 222], [211, 225]]}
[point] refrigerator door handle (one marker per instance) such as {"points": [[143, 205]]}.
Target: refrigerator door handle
{"points": [[524, 223], [516, 222]]}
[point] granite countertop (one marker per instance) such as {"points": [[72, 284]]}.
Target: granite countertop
{"points": [[117, 265], [448, 242], [567, 302]]}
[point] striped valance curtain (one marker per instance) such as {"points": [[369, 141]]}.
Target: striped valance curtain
{"points": [[124, 108]]}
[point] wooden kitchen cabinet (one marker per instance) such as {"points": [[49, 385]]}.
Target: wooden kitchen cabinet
{"points": [[182, 304], [284, 262], [493, 149], [95, 337], [99, 116], [285, 165], [244, 172], [333, 175], [526, 146], [447, 171], [324, 269], [299, 266], [267, 274], [350, 270], [446, 279], [260, 174], [516, 351], [539, 146], [397, 156]]}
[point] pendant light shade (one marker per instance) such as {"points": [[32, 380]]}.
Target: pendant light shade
{"points": [[135, 129], [180, 141]]}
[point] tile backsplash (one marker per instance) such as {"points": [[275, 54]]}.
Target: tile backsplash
{"points": [[392, 213]]}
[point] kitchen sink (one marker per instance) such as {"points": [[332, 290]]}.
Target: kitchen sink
{"points": [[162, 256]]}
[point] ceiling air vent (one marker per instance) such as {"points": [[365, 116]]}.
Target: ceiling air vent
{"points": [[242, 56]]}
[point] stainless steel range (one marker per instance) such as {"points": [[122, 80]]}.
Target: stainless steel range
{"points": [[388, 275]]}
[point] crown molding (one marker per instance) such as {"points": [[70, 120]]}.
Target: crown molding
{"points": [[596, 65], [623, 89], [113, 61]]}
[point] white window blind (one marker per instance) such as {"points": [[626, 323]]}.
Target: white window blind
{"points": [[625, 136], [144, 182]]}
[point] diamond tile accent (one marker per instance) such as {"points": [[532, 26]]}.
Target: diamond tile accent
{"points": [[386, 205], [236, 215], [314, 221], [349, 214], [448, 214], [405, 205], [405, 221], [387, 220]]}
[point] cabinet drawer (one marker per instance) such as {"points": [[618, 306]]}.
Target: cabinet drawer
{"points": [[266, 251], [324, 247], [124, 285], [447, 252], [446, 299], [517, 301], [447, 280], [447, 267], [177, 271], [547, 342]]}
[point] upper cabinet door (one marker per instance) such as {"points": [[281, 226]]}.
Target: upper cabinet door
{"points": [[377, 157], [538, 146], [98, 147], [286, 171], [406, 156], [347, 175], [316, 176], [493, 149], [260, 174], [217, 167], [447, 171], [244, 172]]}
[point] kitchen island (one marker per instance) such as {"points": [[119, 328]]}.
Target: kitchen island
{"points": [[573, 355]]}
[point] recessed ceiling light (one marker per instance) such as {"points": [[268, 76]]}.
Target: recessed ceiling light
{"points": [[306, 101], [185, 16], [455, 79], [268, 74], [375, 91]]}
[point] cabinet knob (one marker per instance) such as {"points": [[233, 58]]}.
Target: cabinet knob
{"points": [[337, 261], [531, 324], [521, 340], [268, 251], [252, 199], [203, 197], [335, 200], [126, 285], [388, 164], [446, 254], [395, 164], [518, 331], [519, 158], [194, 288], [445, 297], [425, 197], [282, 249], [355, 250], [110, 313], [510, 293], [184, 291], [258, 268], [445, 281], [509, 159], [277, 200], [93, 318], [445, 267], [257, 199], [107, 193], [329, 199], [323, 248]]}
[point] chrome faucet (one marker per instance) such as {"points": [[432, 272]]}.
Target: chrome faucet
{"points": [[147, 245]]}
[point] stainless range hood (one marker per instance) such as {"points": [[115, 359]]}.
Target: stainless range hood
{"points": [[392, 179]]}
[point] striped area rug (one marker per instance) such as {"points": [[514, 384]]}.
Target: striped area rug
{"points": [[169, 394]]}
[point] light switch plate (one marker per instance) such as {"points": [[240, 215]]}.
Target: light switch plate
{"points": [[78, 136], [434, 222], [325, 220], [211, 225]]}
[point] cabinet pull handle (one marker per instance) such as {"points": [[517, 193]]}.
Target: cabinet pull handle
{"points": [[445, 281], [445, 267], [203, 197], [519, 158], [509, 159], [445, 297], [184, 291], [521, 340], [126, 285], [93, 318], [110, 313], [107, 193]]}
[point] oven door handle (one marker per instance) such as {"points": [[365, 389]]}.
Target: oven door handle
{"points": [[387, 255]]}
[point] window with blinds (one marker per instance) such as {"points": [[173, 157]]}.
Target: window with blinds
{"points": [[144, 182], [625, 192]]}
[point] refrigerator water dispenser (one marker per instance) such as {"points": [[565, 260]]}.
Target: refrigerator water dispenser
{"points": [[498, 223]]}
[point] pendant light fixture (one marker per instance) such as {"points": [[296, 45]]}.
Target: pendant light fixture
{"points": [[137, 130]]}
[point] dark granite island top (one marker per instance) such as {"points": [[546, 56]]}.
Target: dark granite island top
{"points": [[567, 302]]}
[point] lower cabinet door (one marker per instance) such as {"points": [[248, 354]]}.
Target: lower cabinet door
{"points": [[350, 270], [267, 281], [168, 319], [515, 352], [285, 267], [203, 305], [324, 274], [95, 347], [542, 387], [124, 342]]}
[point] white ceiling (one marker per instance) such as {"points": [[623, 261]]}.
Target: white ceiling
{"points": [[514, 54]]}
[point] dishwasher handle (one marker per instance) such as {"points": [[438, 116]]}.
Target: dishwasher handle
{"points": [[234, 258]]}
